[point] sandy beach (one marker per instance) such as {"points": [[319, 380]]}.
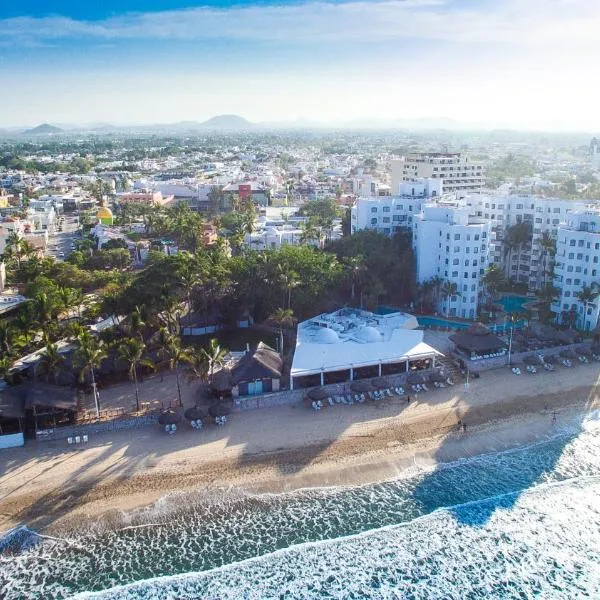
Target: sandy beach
{"points": [[44, 485]]}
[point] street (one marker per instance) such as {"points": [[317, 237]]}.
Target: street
{"points": [[60, 243]]}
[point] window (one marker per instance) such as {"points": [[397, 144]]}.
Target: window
{"points": [[538, 220], [399, 206], [456, 248], [568, 281], [572, 243], [373, 209], [466, 275], [455, 261], [484, 235], [579, 256], [570, 269], [386, 209], [454, 273], [456, 237], [577, 282], [467, 262], [571, 255], [476, 238], [374, 221], [580, 243], [519, 206], [386, 219], [474, 275], [567, 294], [556, 210], [475, 250]]}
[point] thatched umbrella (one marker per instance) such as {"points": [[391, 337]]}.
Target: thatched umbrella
{"points": [[531, 359], [219, 410], [318, 394], [415, 379], [583, 351], [381, 383], [551, 359], [169, 417], [568, 353], [361, 386], [438, 376], [195, 413]]}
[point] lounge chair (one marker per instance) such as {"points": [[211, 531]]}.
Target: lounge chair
{"points": [[424, 388], [331, 402]]}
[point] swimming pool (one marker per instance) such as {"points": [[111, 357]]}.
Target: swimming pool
{"points": [[513, 303], [456, 325]]}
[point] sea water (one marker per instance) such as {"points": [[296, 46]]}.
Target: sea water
{"points": [[522, 523]]}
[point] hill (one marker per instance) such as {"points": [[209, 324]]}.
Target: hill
{"points": [[227, 122], [43, 129]]}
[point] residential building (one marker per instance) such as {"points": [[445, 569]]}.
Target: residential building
{"points": [[354, 344], [144, 197], [452, 244], [249, 190], [577, 264], [457, 172], [386, 214]]}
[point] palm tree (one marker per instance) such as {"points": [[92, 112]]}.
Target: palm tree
{"points": [[198, 366], [172, 349], [7, 334], [132, 350], [214, 355], [52, 361], [283, 317], [189, 280], [288, 280], [90, 353], [449, 289], [515, 238], [137, 322], [586, 296], [493, 279], [355, 269], [548, 246], [311, 232]]}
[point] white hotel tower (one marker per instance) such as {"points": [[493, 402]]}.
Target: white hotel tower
{"points": [[577, 265], [453, 245]]}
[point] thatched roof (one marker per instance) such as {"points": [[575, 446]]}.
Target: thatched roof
{"points": [[43, 395], [169, 417], [195, 412], [477, 338], [12, 406], [222, 409], [262, 363], [221, 380], [318, 394]]}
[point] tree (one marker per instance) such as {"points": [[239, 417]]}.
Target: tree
{"points": [[586, 296], [175, 353], [547, 294], [515, 238], [548, 246], [214, 355], [355, 270], [132, 350], [52, 361], [493, 280], [283, 317], [88, 356], [449, 289]]}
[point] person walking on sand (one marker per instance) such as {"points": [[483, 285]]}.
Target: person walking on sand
{"points": [[407, 399], [553, 416], [464, 427]]}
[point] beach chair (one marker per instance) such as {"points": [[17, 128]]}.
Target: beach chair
{"points": [[77, 439], [85, 439], [370, 394], [425, 389], [69, 440], [388, 393], [359, 398], [331, 402]]}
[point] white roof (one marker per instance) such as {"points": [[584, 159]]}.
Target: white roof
{"points": [[353, 338]]}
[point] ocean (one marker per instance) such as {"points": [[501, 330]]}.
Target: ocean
{"points": [[523, 523]]}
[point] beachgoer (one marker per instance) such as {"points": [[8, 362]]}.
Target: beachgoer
{"points": [[464, 426], [407, 399], [554, 416]]}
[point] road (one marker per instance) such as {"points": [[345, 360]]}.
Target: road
{"points": [[60, 242]]}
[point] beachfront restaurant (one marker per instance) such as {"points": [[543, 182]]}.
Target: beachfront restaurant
{"points": [[352, 344], [478, 343]]}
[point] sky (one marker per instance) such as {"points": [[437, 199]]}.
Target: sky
{"points": [[524, 64]]}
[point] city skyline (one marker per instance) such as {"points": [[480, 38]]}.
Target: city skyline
{"points": [[161, 62]]}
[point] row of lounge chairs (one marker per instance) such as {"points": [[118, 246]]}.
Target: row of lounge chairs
{"points": [[349, 399]]}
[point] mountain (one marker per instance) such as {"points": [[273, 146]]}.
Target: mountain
{"points": [[231, 122], [43, 129]]}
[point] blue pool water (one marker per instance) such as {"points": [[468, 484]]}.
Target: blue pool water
{"points": [[447, 323], [513, 303], [522, 523]]}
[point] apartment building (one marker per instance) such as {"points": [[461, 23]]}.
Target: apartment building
{"points": [[386, 214], [456, 171], [577, 264], [452, 244], [532, 262]]}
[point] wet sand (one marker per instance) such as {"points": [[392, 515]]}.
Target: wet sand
{"points": [[45, 485]]}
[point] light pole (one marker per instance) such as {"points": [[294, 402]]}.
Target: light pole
{"points": [[512, 329]]}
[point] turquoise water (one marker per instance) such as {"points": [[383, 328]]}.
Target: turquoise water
{"points": [[518, 524], [447, 323], [513, 303]]}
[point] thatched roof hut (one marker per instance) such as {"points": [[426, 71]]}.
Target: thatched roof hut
{"points": [[221, 409], [195, 412], [262, 363], [477, 340], [170, 416]]}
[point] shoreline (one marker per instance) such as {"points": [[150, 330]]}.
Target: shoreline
{"points": [[288, 448]]}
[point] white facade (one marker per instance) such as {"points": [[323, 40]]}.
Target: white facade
{"points": [[577, 264], [386, 214], [457, 172], [454, 246]]}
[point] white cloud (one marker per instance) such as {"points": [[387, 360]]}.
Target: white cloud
{"points": [[522, 22]]}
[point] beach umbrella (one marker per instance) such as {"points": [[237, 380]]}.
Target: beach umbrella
{"points": [[415, 378], [568, 353], [318, 394], [583, 351], [551, 359], [169, 417], [361, 386], [380, 383], [438, 376], [531, 359], [195, 412], [219, 410]]}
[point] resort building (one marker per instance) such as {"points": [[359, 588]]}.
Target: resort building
{"points": [[144, 197], [577, 265], [354, 344], [456, 171], [453, 245], [386, 214]]}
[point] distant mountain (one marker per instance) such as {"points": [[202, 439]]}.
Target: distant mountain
{"points": [[231, 122], [43, 129]]}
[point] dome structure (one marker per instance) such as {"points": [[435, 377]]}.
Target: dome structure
{"points": [[326, 336], [368, 334], [104, 213]]}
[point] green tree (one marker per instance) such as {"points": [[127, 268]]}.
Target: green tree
{"points": [[586, 296], [88, 356], [131, 350], [215, 355], [449, 289], [52, 362], [176, 354], [493, 280], [283, 317]]}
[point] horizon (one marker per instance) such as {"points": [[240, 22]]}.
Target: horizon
{"points": [[134, 64]]}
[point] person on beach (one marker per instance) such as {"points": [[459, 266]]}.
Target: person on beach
{"points": [[407, 399], [464, 427], [554, 416]]}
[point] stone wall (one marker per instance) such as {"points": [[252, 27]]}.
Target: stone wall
{"points": [[62, 433]]}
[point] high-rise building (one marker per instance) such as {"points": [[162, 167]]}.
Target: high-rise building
{"points": [[457, 172], [453, 245], [595, 152], [577, 264]]}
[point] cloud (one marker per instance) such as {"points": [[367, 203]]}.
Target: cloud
{"points": [[515, 22]]}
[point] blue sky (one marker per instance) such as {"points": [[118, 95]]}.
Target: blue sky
{"points": [[519, 63]]}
